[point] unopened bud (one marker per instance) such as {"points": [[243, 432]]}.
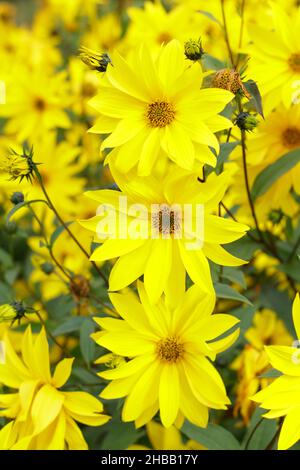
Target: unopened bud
{"points": [[17, 197], [246, 122], [193, 49]]}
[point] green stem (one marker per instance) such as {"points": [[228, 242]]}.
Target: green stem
{"points": [[52, 207], [226, 33]]}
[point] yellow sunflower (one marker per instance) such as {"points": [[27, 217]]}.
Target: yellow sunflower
{"points": [[167, 227], [150, 104], [282, 396], [43, 416], [275, 58], [168, 369]]}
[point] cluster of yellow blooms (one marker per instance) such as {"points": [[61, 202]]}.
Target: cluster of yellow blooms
{"points": [[188, 148]]}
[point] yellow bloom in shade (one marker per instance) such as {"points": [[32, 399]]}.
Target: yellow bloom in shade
{"points": [[168, 350], [273, 138], [164, 256], [43, 416], [275, 58], [148, 104], [282, 396], [162, 438], [253, 360], [35, 103]]}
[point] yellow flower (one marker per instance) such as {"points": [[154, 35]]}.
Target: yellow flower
{"points": [[275, 52], [35, 103], [151, 104], [273, 138], [164, 249], [44, 417], [154, 25], [282, 396], [168, 349], [70, 10], [16, 166], [162, 438], [253, 360]]}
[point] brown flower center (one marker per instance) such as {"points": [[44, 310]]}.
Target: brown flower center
{"points": [[39, 104], [294, 62], [164, 38], [160, 114], [167, 220], [291, 137], [169, 349]]}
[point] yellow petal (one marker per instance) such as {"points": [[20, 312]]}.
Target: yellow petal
{"points": [[296, 315], [290, 431], [46, 407], [169, 394], [62, 372]]}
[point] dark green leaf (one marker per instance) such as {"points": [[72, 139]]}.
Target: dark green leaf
{"points": [[225, 151], [213, 437], [252, 88], [69, 326], [58, 231], [271, 374], [224, 291], [87, 344], [234, 275], [273, 172], [265, 430], [211, 63], [120, 436], [210, 16]]}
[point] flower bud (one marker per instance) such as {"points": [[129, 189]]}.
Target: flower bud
{"points": [[47, 267], [193, 49], [17, 197], [94, 60], [276, 216], [246, 122]]}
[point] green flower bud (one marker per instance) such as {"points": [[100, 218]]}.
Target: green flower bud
{"points": [[193, 49], [17, 197], [276, 216], [47, 267], [246, 122]]}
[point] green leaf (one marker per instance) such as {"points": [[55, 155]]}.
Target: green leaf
{"points": [[243, 248], [69, 326], [58, 231], [120, 436], [5, 258], [224, 291], [213, 437], [259, 438], [87, 345], [273, 172], [225, 151], [252, 88], [211, 63], [210, 16], [86, 377], [271, 374], [235, 275], [11, 274]]}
